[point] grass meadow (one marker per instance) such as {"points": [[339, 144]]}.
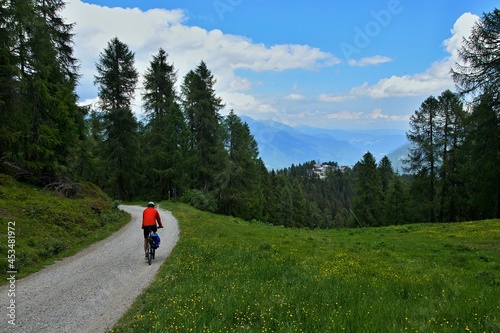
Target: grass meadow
{"points": [[228, 275]]}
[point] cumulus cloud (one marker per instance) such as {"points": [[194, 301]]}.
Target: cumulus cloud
{"points": [[461, 29], [434, 80], [246, 102], [146, 31], [378, 114]]}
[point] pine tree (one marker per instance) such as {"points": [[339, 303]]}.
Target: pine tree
{"points": [[423, 158], [299, 205], [479, 72], [240, 194], [10, 111], [479, 76], [386, 173], [165, 132], [116, 80], [38, 91], [397, 209], [367, 202], [284, 199], [201, 106], [481, 160], [450, 137]]}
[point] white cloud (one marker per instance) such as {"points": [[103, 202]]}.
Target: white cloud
{"points": [[245, 102], [295, 97], [369, 61], [378, 114], [345, 115], [461, 29], [433, 81], [335, 98], [145, 32]]}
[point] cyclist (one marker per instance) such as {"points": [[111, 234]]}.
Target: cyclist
{"points": [[150, 216]]}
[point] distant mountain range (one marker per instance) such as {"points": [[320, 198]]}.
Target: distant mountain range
{"points": [[280, 145]]}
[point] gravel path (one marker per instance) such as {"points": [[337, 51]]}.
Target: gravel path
{"points": [[91, 290]]}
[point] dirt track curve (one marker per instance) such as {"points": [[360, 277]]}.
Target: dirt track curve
{"points": [[91, 290]]}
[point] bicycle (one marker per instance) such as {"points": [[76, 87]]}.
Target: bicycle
{"points": [[150, 247]]}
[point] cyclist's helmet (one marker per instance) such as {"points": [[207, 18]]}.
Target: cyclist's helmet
{"points": [[151, 204]]}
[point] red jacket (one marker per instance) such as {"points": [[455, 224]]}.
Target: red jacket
{"points": [[150, 216]]}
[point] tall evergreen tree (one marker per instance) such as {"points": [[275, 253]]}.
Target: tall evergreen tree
{"points": [[10, 110], [479, 72], [386, 173], [284, 198], [450, 137], [165, 132], [367, 202], [38, 91], [481, 160], [423, 158], [201, 107], [396, 204], [299, 205], [240, 194], [116, 80], [479, 75]]}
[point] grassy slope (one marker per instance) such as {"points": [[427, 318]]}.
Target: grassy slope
{"points": [[49, 226], [227, 275]]}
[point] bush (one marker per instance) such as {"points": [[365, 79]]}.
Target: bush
{"points": [[199, 200]]}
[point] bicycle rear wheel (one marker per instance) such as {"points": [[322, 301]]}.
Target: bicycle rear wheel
{"points": [[148, 252]]}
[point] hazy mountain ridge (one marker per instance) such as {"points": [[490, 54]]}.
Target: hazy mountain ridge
{"points": [[281, 145], [396, 157]]}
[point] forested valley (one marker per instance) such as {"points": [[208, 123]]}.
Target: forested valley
{"points": [[182, 148]]}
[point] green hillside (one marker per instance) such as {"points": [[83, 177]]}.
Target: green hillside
{"points": [[41, 226], [227, 275]]}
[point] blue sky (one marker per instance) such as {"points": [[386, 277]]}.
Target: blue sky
{"points": [[364, 64]]}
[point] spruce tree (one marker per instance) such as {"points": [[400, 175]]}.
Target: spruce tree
{"points": [[239, 193], [479, 70], [396, 205], [10, 111], [478, 75], [38, 92], [367, 202], [299, 205], [386, 173], [423, 159], [479, 169], [164, 141], [450, 137], [208, 157], [116, 80]]}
